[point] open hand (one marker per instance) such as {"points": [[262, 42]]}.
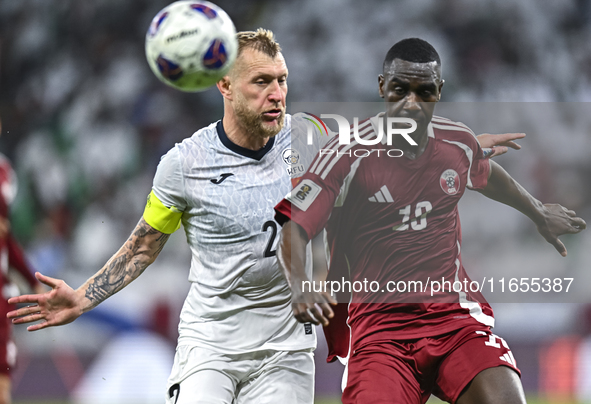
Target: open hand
{"points": [[495, 145], [58, 306]]}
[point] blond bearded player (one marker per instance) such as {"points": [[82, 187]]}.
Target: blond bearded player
{"points": [[238, 341]]}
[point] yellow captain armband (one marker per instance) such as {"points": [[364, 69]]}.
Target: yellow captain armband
{"points": [[163, 219]]}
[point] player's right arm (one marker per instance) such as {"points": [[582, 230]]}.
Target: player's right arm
{"points": [[162, 216], [308, 307], [303, 215], [62, 304]]}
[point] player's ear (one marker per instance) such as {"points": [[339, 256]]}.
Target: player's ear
{"points": [[381, 85], [225, 87], [439, 89]]}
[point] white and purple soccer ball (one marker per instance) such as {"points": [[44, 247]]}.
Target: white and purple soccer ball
{"points": [[190, 45]]}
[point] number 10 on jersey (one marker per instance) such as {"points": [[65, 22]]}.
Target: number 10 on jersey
{"points": [[419, 222]]}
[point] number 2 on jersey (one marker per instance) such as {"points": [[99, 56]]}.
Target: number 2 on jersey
{"points": [[270, 224], [420, 220]]}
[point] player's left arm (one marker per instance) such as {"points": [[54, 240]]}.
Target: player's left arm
{"points": [[552, 220]]}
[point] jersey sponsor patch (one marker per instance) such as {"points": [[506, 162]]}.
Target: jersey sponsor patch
{"points": [[304, 194], [450, 182], [308, 328]]}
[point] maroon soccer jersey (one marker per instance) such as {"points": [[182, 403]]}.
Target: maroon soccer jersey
{"points": [[11, 256], [394, 221]]}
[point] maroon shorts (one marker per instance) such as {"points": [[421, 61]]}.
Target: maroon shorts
{"points": [[409, 371]]}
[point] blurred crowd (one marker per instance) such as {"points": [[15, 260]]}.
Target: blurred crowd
{"points": [[85, 121]]}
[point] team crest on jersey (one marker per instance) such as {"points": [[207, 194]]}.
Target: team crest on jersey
{"points": [[291, 157], [450, 182]]}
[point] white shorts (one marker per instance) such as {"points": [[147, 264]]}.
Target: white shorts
{"points": [[202, 376]]}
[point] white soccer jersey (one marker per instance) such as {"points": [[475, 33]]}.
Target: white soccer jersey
{"points": [[238, 300]]}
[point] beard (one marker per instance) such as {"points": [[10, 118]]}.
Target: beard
{"points": [[253, 123]]}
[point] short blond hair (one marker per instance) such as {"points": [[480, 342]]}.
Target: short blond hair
{"points": [[261, 40]]}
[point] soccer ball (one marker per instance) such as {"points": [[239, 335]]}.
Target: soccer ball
{"points": [[190, 45]]}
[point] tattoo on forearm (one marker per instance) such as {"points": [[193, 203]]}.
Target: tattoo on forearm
{"points": [[161, 241], [108, 282], [127, 265]]}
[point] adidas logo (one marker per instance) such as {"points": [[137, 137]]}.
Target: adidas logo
{"points": [[383, 196]]}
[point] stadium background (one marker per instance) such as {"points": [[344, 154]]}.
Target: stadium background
{"points": [[85, 123]]}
